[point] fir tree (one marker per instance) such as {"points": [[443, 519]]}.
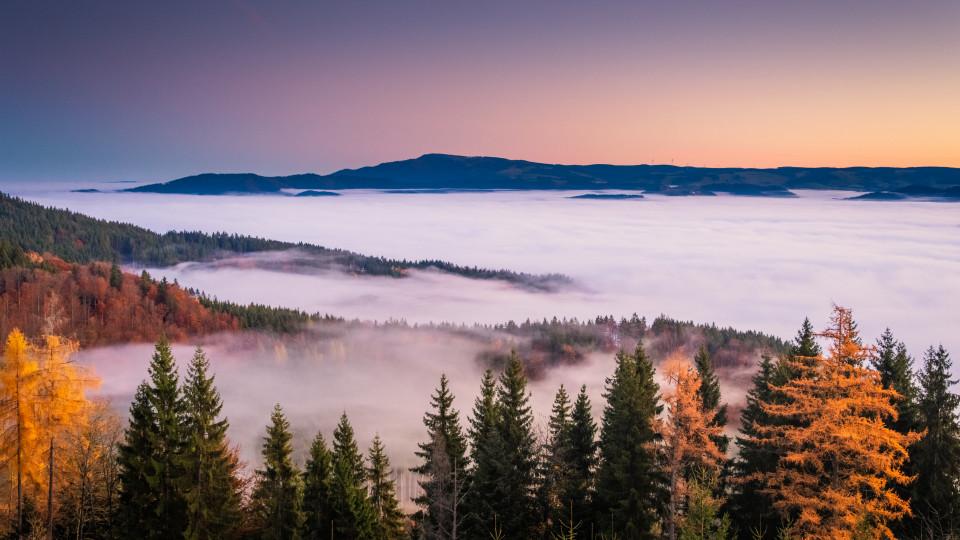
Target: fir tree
{"points": [[486, 453], [710, 395], [581, 461], [116, 277], [896, 373], [137, 500], [278, 493], [213, 504], [166, 400], [387, 515], [516, 430], [629, 484], [351, 510], [317, 480], [752, 506], [444, 468], [936, 457], [555, 467]]}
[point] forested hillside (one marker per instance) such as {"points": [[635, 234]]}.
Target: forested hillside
{"points": [[839, 440], [77, 238]]}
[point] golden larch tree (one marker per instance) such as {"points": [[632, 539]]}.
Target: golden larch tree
{"points": [[839, 461], [688, 436]]}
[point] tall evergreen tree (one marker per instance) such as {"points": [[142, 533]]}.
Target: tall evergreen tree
{"points": [[516, 506], [555, 469], [710, 395], [936, 457], [387, 514], [352, 513], [137, 500], [629, 485], [317, 491], [582, 461], [213, 503], [486, 453], [749, 503], [444, 468], [278, 492], [896, 372], [166, 400]]}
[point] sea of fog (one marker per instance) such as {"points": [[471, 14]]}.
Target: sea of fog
{"points": [[749, 263]]}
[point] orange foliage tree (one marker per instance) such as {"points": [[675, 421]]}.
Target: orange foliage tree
{"points": [[688, 433], [42, 395], [839, 461]]}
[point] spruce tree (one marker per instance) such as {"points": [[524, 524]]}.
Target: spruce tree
{"points": [[486, 453], [136, 501], [278, 492], [167, 466], [213, 503], [317, 491], [444, 468], [387, 514], [555, 469], [516, 506], [896, 372], [710, 395], [936, 457], [582, 461], [352, 513], [629, 485]]}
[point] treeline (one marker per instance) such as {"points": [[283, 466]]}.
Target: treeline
{"points": [[97, 304], [77, 238], [850, 443]]}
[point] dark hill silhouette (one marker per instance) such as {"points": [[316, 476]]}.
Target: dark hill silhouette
{"points": [[442, 171]]}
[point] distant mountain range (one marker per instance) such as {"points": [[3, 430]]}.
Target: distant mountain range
{"points": [[447, 172]]}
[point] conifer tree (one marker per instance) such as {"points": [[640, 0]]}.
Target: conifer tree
{"points": [[839, 462], [444, 468], [213, 503], [896, 372], [688, 436], [277, 495], [703, 520], [710, 396], [136, 517], [167, 466], [555, 468], [748, 502], [516, 505], [582, 461], [936, 457], [317, 494], [352, 513], [387, 515], [629, 483], [486, 453]]}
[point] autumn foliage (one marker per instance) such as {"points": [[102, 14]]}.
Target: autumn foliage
{"points": [[93, 307], [839, 461]]}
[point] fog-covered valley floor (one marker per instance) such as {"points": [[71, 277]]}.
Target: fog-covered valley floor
{"points": [[751, 263]]}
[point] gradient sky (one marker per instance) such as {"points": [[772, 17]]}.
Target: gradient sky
{"points": [[98, 90]]}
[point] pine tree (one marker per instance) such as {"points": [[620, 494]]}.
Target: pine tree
{"points": [[317, 480], [581, 462], [116, 277], [555, 470], [351, 510], [688, 435], [629, 483], [516, 506], [387, 515], [487, 454], [136, 517], [444, 468], [748, 502], [703, 520], [277, 495], [166, 468], [896, 372], [936, 457], [839, 462], [710, 396], [213, 503]]}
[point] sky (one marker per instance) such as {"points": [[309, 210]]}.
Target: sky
{"points": [[153, 91]]}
